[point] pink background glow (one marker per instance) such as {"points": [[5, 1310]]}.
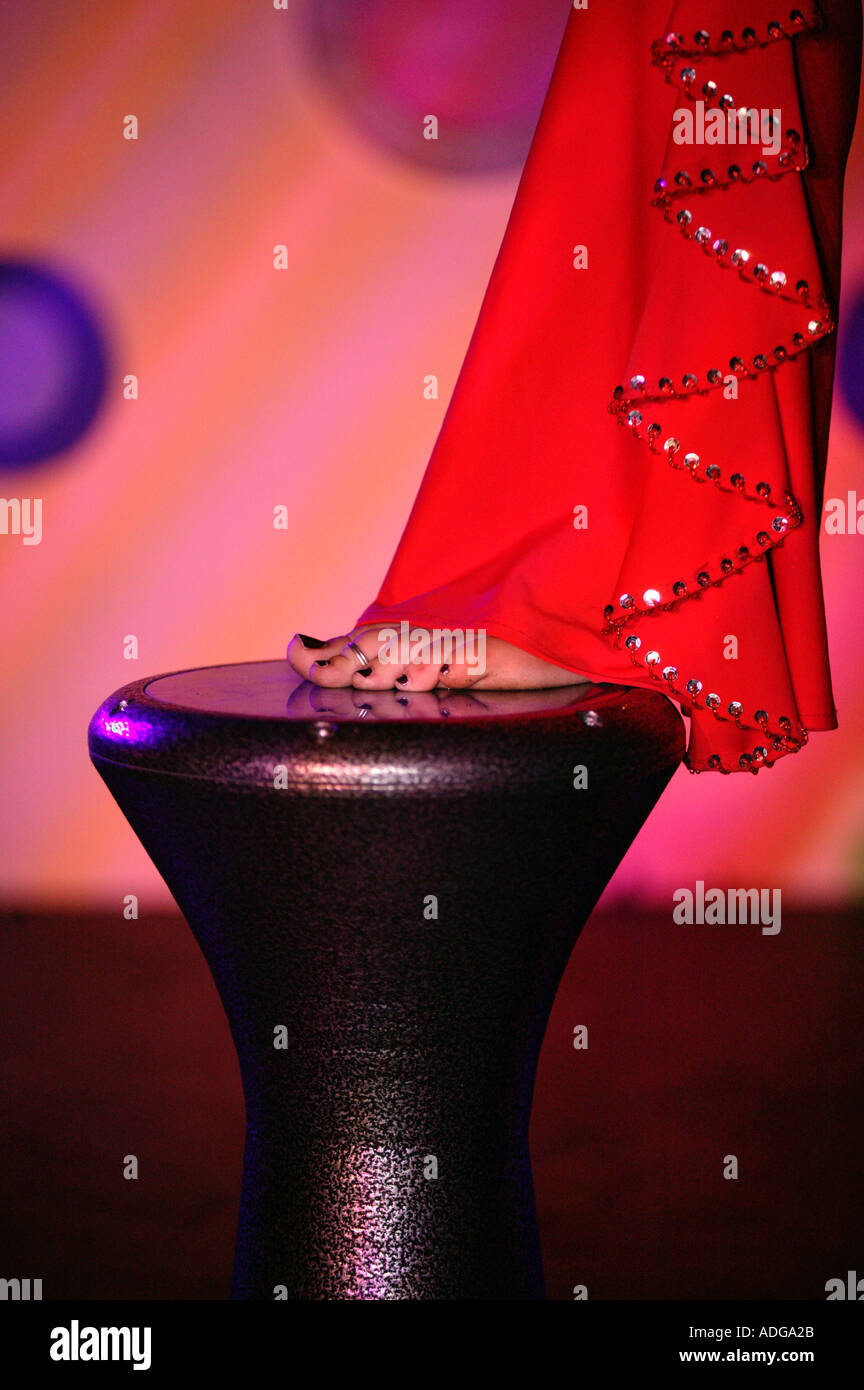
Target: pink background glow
{"points": [[301, 387]]}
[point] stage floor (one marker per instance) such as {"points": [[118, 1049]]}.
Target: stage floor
{"points": [[704, 1042]]}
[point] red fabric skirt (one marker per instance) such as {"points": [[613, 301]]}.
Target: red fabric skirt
{"points": [[628, 481]]}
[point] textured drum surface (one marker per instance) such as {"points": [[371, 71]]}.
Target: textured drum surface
{"points": [[387, 899]]}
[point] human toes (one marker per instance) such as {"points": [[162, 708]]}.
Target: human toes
{"points": [[417, 677], [303, 651], [459, 674], [353, 656]]}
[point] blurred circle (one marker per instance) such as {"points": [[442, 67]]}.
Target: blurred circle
{"points": [[851, 356], [481, 70], [53, 363]]}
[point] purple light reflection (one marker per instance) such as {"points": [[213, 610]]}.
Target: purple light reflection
{"points": [[128, 726]]}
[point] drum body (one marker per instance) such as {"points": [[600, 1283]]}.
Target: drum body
{"points": [[387, 905]]}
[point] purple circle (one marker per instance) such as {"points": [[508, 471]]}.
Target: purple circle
{"points": [[53, 364], [850, 356], [482, 69]]}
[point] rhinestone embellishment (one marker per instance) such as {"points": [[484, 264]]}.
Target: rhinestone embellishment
{"points": [[681, 59]]}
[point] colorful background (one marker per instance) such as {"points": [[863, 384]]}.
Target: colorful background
{"points": [[299, 126]]}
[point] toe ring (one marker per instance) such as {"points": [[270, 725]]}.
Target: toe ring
{"points": [[358, 653]]}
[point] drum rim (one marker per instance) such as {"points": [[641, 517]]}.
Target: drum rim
{"points": [[331, 752]]}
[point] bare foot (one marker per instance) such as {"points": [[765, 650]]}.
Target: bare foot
{"points": [[372, 658]]}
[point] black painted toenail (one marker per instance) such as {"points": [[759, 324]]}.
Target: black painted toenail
{"points": [[402, 699], [402, 680], [444, 670], [367, 671], [325, 662], [310, 641]]}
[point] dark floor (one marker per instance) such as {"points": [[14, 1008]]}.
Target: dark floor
{"points": [[703, 1042]]}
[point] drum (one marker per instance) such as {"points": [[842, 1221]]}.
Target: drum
{"points": [[386, 889]]}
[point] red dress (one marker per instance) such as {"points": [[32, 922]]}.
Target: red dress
{"points": [[628, 481]]}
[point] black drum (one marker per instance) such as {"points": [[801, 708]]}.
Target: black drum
{"points": [[387, 889]]}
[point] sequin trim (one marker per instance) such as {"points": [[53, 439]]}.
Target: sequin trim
{"points": [[776, 736], [668, 50]]}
